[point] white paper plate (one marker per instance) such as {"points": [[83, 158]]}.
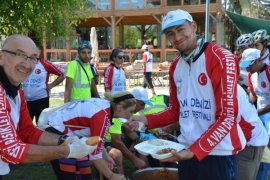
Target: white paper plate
{"points": [[151, 147]]}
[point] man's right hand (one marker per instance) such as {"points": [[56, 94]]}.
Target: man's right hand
{"points": [[79, 148]]}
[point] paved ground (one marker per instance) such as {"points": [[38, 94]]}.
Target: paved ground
{"points": [[58, 92]]}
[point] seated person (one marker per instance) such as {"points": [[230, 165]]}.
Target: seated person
{"points": [[89, 117], [118, 130]]}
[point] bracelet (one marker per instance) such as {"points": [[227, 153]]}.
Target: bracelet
{"points": [[62, 139]]}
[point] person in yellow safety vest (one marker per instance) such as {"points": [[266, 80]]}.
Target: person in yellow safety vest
{"points": [[80, 82], [158, 103]]}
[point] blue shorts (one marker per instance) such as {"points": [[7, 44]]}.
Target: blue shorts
{"points": [[210, 168]]}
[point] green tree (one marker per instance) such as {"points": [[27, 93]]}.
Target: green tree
{"points": [[32, 17], [132, 35]]}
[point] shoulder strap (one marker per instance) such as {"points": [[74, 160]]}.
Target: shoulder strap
{"points": [[85, 72], [94, 71]]}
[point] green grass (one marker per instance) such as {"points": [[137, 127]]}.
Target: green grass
{"points": [[45, 172], [31, 172]]}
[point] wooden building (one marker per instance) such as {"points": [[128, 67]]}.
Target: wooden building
{"points": [[113, 16]]}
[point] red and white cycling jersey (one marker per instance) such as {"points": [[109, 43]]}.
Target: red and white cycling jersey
{"points": [[260, 84], [114, 79], [148, 60], [249, 120], [266, 60], [89, 117], [35, 86], [16, 130], [203, 99]]}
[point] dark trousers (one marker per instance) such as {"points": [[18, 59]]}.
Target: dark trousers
{"points": [[210, 168], [147, 81], [37, 106]]}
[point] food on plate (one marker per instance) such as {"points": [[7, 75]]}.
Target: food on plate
{"points": [[165, 150], [162, 173], [157, 142]]}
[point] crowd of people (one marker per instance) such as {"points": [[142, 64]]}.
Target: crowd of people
{"points": [[224, 128], [255, 58]]}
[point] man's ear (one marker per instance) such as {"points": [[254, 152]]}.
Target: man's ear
{"points": [[194, 27]]}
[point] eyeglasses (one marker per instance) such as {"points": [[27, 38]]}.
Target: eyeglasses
{"points": [[120, 57], [32, 59]]}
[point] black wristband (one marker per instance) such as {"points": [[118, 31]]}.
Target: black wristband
{"points": [[62, 139]]}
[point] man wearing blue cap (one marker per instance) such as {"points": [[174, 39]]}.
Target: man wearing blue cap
{"points": [[203, 91], [259, 87], [251, 61], [80, 82]]}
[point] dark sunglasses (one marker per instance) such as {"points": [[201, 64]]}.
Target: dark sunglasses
{"points": [[120, 57], [86, 52]]}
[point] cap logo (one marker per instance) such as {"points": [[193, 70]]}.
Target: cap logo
{"points": [[263, 84], [202, 79], [168, 17], [37, 71]]}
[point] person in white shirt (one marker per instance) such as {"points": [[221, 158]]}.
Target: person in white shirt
{"points": [[37, 87], [260, 91], [148, 68]]}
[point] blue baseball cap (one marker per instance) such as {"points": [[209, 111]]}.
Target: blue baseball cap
{"points": [[84, 45], [249, 56], [175, 18]]}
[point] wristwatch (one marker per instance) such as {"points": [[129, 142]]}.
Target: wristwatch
{"points": [[62, 139]]}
